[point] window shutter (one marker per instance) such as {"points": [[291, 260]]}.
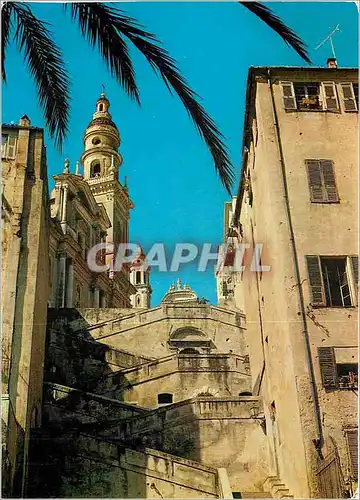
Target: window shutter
{"points": [[352, 442], [355, 273], [327, 367], [355, 268], [315, 280], [327, 168], [330, 96], [349, 97], [11, 146], [288, 95], [317, 194]]}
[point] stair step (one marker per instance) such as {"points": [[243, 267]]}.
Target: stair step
{"points": [[256, 494]]}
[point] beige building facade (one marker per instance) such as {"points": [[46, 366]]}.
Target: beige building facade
{"points": [[25, 236], [298, 199]]}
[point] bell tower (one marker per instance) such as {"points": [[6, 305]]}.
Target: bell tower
{"points": [[140, 279], [101, 161]]}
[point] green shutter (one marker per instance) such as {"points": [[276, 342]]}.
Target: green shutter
{"points": [[327, 367], [317, 193], [288, 95], [317, 293], [348, 97], [330, 96], [328, 175], [352, 442]]}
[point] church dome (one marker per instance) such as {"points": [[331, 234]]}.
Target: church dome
{"points": [[180, 294]]}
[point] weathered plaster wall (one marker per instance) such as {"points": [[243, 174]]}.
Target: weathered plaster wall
{"points": [[274, 329]]}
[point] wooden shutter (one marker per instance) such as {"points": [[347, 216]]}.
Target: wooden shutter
{"points": [[317, 292], [11, 146], [352, 442], [327, 168], [330, 96], [348, 97], [355, 268], [288, 95], [327, 367], [355, 274], [317, 193]]}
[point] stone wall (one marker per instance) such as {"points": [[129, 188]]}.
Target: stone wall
{"points": [[80, 465]]}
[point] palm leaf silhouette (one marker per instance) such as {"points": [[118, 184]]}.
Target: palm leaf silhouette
{"points": [[109, 29]]}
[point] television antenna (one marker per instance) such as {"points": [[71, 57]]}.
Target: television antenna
{"points": [[329, 37]]}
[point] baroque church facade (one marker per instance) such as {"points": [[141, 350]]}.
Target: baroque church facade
{"points": [[104, 395]]}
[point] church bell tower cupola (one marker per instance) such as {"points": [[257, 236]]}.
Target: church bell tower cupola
{"points": [[101, 158], [101, 161]]}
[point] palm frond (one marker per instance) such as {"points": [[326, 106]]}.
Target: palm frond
{"points": [[6, 26], [97, 26], [160, 61], [272, 20], [47, 68]]}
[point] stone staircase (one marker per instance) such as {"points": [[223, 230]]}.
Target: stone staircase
{"points": [[276, 488]]}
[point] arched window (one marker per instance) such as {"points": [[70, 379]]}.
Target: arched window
{"points": [[138, 277], [189, 350], [165, 398], [245, 393], [95, 169], [138, 300], [101, 107]]}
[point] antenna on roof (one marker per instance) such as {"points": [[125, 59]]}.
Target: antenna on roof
{"points": [[329, 37]]}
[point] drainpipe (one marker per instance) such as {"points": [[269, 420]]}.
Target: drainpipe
{"points": [[318, 441]]}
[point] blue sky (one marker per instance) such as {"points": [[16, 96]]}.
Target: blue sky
{"points": [[172, 182]]}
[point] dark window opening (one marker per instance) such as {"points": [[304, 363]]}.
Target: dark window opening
{"points": [[96, 141], [236, 494], [165, 398], [138, 277], [347, 375], [245, 393], [307, 96], [95, 170], [336, 375], [101, 107], [337, 290]]}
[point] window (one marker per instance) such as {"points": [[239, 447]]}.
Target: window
{"points": [[335, 373], [332, 280], [95, 169], [352, 445], [8, 146], [350, 92], [321, 180], [165, 398], [309, 96], [138, 277], [96, 141]]}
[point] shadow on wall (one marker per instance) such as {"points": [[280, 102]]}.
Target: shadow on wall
{"points": [[75, 369]]}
